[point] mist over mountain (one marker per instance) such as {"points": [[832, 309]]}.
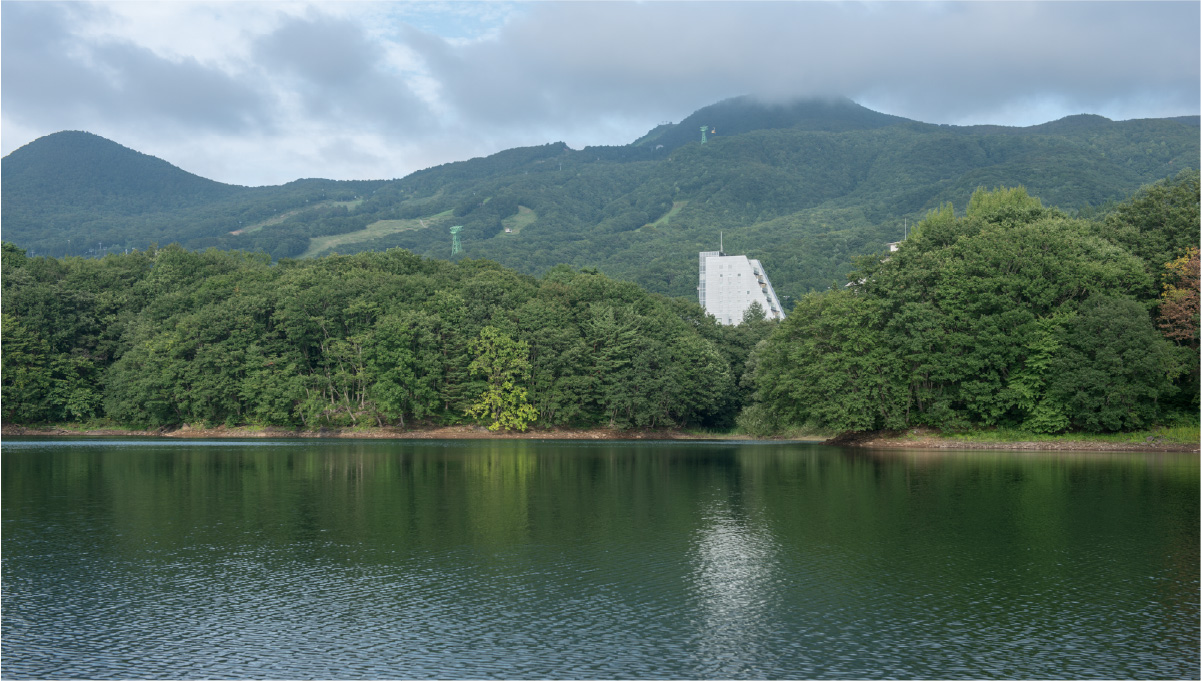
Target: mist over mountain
{"points": [[803, 186]]}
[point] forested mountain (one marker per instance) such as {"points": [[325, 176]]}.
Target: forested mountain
{"points": [[804, 187], [83, 171], [744, 114], [72, 191]]}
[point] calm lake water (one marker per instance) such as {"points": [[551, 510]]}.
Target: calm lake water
{"points": [[471, 559]]}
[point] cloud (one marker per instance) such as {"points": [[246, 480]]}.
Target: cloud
{"points": [[326, 53], [268, 92], [180, 94], [41, 71], [49, 74], [340, 74], [936, 62]]}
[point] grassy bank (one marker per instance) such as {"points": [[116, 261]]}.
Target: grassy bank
{"points": [[1168, 434], [1162, 438]]}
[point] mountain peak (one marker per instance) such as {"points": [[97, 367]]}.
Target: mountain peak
{"points": [[746, 113], [86, 170], [1073, 123]]}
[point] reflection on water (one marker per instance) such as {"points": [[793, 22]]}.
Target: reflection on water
{"points": [[493, 559], [733, 582]]}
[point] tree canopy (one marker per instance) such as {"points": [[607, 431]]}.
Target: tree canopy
{"points": [[1011, 314], [170, 336]]}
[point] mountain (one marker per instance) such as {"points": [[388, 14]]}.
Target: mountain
{"points": [[68, 192], [803, 187], [745, 114], [86, 171]]}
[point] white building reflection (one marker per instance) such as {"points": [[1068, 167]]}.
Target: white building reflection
{"points": [[736, 587]]}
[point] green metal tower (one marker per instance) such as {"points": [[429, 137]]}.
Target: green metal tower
{"points": [[704, 129], [455, 246]]}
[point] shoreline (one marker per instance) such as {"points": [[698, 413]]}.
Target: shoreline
{"points": [[372, 433], [926, 440], [921, 440]]}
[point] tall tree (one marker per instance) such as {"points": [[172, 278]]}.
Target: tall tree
{"points": [[504, 365]]}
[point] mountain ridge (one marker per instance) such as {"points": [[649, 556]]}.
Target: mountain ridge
{"points": [[806, 186]]}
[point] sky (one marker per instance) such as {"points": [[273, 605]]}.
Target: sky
{"points": [[257, 93]]}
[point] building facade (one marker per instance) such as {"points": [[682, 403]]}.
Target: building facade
{"points": [[730, 284]]}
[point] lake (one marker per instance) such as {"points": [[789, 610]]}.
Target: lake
{"points": [[533, 559]]}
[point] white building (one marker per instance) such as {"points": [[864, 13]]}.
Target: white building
{"points": [[731, 283]]}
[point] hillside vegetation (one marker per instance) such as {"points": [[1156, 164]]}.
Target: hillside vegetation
{"points": [[803, 187], [1010, 314], [164, 337]]}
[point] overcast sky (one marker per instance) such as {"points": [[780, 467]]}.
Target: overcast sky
{"points": [[265, 93]]}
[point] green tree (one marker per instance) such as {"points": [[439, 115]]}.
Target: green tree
{"points": [[1028, 384], [973, 321], [1114, 368], [402, 361], [1159, 223], [503, 363], [827, 366], [27, 381]]}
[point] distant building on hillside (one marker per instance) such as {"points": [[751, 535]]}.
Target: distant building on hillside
{"points": [[730, 284]]}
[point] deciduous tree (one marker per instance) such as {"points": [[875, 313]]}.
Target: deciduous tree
{"points": [[504, 365]]}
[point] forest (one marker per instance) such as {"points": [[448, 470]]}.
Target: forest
{"points": [[1010, 313], [805, 188], [169, 336]]}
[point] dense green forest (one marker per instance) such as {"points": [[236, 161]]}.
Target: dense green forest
{"points": [[804, 187], [1011, 314], [168, 336]]}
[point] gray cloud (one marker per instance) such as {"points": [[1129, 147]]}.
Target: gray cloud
{"points": [[326, 52], [935, 62], [340, 73], [184, 93], [351, 90], [40, 75], [52, 75]]}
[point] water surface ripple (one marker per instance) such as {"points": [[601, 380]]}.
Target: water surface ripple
{"points": [[502, 559]]}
